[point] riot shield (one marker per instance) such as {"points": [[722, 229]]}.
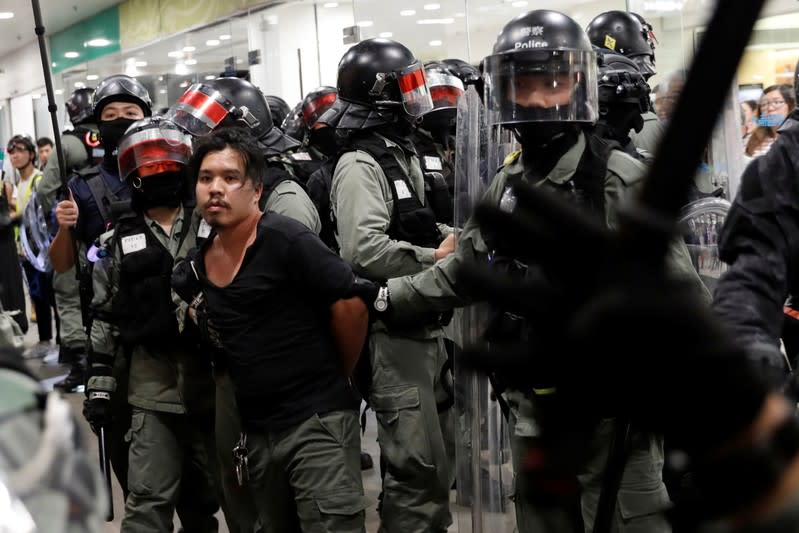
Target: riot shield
{"points": [[701, 222], [484, 473], [34, 235]]}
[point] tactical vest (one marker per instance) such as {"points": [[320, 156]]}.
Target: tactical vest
{"points": [[411, 221], [319, 192], [110, 205], [91, 143], [142, 307], [439, 177], [304, 163]]}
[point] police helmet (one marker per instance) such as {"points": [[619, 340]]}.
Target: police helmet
{"points": [[316, 103], [278, 108], [385, 75], [468, 74], [293, 125], [622, 32], [620, 82], [445, 90], [79, 106], [153, 145], [543, 69], [121, 88]]}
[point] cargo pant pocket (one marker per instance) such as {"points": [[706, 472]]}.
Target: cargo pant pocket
{"points": [[334, 512], [403, 436], [642, 510]]}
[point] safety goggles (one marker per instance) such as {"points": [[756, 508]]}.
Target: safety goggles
{"points": [[153, 151], [202, 108]]}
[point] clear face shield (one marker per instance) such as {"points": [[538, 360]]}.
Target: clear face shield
{"points": [[445, 89], [202, 108], [541, 85], [153, 151], [415, 94]]}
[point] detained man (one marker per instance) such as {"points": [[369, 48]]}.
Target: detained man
{"points": [[289, 338]]}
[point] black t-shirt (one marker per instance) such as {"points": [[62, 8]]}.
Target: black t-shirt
{"points": [[273, 321]]}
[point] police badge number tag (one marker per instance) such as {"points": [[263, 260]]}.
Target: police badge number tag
{"points": [[133, 243], [402, 190], [432, 163]]}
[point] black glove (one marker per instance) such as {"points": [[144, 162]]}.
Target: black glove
{"points": [[97, 405], [185, 281], [374, 295]]}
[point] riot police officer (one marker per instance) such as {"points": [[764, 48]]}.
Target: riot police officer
{"points": [[169, 383], [81, 148], [541, 84], [434, 139], [97, 195], [623, 33], [623, 99], [235, 102], [386, 229], [278, 108]]}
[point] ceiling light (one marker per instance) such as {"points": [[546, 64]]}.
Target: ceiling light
{"points": [[435, 43], [161, 91], [181, 69], [407, 13], [330, 4], [190, 62], [71, 55], [141, 63], [189, 48], [92, 77], [224, 37], [385, 34], [519, 3], [432, 7], [99, 42], [6, 15], [176, 54], [212, 42], [436, 21], [365, 23], [160, 78], [184, 84], [79, 84], [210, 77], [57, 91]]}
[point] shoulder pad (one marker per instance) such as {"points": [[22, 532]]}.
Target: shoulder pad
{"points": [[629, 170], [511, 158], [88, 172]]}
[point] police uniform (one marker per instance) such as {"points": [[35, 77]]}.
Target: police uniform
{"points": [[169, 383], [439, 174], [377, 187], [81, 148], [650, 135], [642, 493]]}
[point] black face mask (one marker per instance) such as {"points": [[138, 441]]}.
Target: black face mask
{"points": [[544, 143], [162, 190], [324, 140], [111, 132]]}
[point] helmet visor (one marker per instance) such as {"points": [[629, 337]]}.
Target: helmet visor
{"points": [[316, 107], [153, 151], [445, 89], [541, 86], [199, 110], [646, 64], [416, 99]]}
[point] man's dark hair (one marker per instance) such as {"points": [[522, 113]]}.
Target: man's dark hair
{"points": [[24, 140], [240, 141], [44, 141]]}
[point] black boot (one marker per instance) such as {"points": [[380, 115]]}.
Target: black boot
{"points": [[75, 378]]}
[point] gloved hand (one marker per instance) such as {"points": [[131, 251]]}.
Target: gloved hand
{"points": [[97, 406], [185, 281], [374, 295]]}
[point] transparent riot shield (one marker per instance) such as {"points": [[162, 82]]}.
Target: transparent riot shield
{"points": [[484, 473], [34, 235], [701, 222]]}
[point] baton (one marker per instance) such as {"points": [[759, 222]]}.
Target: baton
{"points": [[105, 466]]}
